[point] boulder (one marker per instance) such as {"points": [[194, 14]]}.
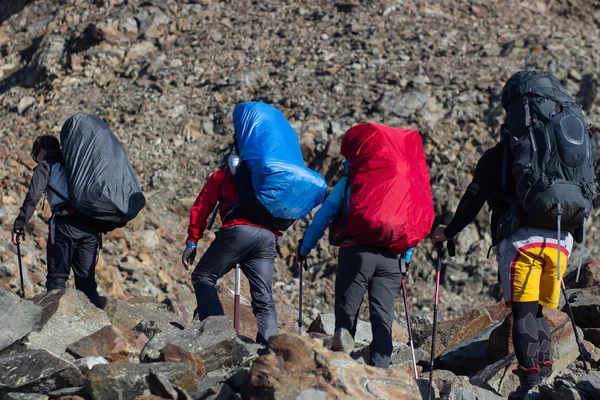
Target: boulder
{"points": [[25, 396], [247, 320], [67, 316], [586, 311], [452, 332], [111, 344], [125, 315], [461, 389], [124, 381], [500, 343], [213, 340], [470, 355], [19, 318], [588, 277], [172, 353], [37, 371], [86, 364], [499, 377], [498, 311], [563, 387], [589, 385], [325, 323], [296, 364]]}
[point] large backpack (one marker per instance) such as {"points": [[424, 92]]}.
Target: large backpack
{"points": [[275, 187], [554, 153], [390, 201], [102, 183]]}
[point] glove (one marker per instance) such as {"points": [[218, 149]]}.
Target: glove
{"points": [[16, 235], [189, 254], [299, 256], [408, 255], [299, 259]]}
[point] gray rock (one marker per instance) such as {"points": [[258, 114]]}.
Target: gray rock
{"points": [[70, 391], [24, 104], [124, 381], [87, 363], [155, 316], [310, 394], [463, 393], [19, 318], [37, 371], [325, 323], [67, 316], [589, 385], [586, 312], [48, 59], [213, 340], [25, 396]]}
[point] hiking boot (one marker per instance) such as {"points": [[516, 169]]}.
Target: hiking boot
{"points": [[545, 368], [528, 378], [342, 341]]}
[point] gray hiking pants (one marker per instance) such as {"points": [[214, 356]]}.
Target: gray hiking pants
{"points": [[363, 268], [254, 249]]}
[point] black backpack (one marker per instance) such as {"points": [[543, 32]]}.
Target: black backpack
{"points": [[554, 153], [102, 183]]}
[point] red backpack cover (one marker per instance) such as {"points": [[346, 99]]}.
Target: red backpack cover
{"points": [[390, 202]]}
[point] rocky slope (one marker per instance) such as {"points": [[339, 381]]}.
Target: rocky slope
{"points": [[166, 75]]}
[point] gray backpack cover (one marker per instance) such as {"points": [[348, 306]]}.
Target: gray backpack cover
{"points": [[554, 153], [102, 183]]}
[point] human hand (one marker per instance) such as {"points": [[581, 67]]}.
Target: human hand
{"points": [[189, 254], [16, 236], [439, 235]]}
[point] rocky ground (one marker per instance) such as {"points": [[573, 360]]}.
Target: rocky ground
{"points": [[166, 75], [59, 346]]}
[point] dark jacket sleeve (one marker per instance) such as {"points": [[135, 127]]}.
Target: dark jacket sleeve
{"points": [[475, 196], [38, 185]]}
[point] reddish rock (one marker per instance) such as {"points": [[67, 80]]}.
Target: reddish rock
{"points": [[454, 331], [111, 344], [174, 353], [297, 363], [498, 311], [588, 277]]}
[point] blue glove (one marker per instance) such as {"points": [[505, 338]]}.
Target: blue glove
{"points": [[189, 254], [408, 255]]}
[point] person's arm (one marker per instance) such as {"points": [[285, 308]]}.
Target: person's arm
{"points": [[204, 205], [38, 185], [473, 199], [331, 207]]}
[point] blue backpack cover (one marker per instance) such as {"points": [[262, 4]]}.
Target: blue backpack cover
{"points": [[268, 147]]}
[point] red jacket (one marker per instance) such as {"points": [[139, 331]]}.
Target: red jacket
{"points": [[220, 185]]}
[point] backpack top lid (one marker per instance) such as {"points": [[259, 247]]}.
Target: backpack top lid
{"points": [[101, 180], [540, 83], [269, 147]]}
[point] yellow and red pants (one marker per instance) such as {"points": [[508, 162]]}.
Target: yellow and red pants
{"points": [[527, 261]]}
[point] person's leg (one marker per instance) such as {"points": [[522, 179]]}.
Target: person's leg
{"points": [[383, 290], [222, 255], [550, 291], [258, 268], [59, 253], [84, 262], [356, 266]]}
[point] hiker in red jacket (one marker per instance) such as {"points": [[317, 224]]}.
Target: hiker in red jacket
{"points": [[238, 241]]}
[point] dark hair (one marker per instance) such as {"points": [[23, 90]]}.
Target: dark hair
{"points": [[46, 142]]}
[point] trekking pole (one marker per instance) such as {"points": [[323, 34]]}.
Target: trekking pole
{"points": [[577, 339], [236, 300], [440, 254], [404, 271], [300, 296], [20, 268]]}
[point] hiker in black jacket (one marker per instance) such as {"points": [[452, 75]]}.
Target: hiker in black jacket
{"points": [[72, 243]]}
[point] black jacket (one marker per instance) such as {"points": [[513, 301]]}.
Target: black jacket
{"points": [[486, 186], [37, 187]]}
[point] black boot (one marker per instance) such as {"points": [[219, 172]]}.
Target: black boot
{"points": [[545, 368], [529, 378]]}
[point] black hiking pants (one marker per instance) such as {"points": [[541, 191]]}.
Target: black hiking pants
{"points": [[73, 245], [254, 249], [362, 269]]}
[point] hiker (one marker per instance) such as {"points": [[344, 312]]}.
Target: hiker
{"points": [[249, 231], [368, 258], [72, 243], [526, 218]]}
